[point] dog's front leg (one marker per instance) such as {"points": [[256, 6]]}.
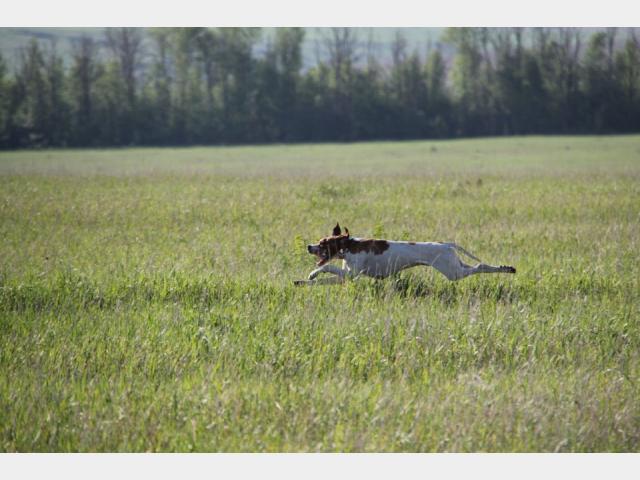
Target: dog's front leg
{"points": [[327, 268]]}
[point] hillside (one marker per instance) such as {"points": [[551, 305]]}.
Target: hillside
{"points": [[13, 39]]}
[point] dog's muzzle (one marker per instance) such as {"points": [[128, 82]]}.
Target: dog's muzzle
{"points": [[315, 250]]}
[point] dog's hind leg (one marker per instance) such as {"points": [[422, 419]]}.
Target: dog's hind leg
{"points": [[450, 265], [484, 268]]}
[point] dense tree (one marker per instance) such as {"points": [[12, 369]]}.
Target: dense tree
{"points": [[84, 72], [190, 98], [206, 44], [5, 103], [559, 51], [600, 85], [471, 80], [287, 52], [57, 121], [39, 113], [439, 105], [184, 86], [341, 46], [125, 45], [408, 91], [237, 65], [627, 73], [30, 94], [157, 92]]}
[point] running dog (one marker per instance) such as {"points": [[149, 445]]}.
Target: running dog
{"points": [[381, 258]]}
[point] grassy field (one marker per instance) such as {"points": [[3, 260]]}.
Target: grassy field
{"points": [[146, 299]]}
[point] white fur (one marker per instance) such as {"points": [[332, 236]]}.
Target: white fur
{"points": [[401, 255]]}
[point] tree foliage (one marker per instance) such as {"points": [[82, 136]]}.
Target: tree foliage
{"points": [[185, 86]]}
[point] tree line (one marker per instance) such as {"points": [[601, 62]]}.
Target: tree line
{"points": [[185, 86]]}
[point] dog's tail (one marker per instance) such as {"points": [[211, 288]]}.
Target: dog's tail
{"points": [[459, 248]]}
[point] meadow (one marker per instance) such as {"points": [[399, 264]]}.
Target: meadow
{"points": [[147, 299]]}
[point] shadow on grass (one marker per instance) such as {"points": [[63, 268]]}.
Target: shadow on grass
{"points": [[73, 290], [450, 293]]}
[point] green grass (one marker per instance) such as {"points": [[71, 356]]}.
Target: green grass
{"points": [[146, 299]]}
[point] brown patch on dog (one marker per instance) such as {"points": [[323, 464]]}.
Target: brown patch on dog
{"points": [[331, 247], [338, 243], [377, 247]]}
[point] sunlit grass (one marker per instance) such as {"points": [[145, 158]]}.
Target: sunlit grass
{"points": [[146, 299]]}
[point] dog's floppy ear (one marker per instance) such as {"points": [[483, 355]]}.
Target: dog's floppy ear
{"points": [[346, 231], [336, 230]]}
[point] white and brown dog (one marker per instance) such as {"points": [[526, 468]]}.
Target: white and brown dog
{"points": [[381, 258]]}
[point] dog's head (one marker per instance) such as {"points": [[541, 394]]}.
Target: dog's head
{"points": [[330, 247]]}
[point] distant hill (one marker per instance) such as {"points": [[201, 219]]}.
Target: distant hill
{"points": [[13, 39], [380, 39]]}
